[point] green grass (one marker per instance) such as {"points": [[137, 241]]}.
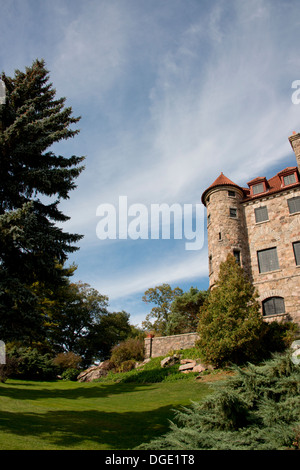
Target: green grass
{"points": [[98, 415]]}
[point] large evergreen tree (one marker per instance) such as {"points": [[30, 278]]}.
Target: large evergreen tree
{"points": [[230, 323], [33, 181]]}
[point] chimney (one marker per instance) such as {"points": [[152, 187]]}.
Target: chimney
{"points": [[295, 143]]}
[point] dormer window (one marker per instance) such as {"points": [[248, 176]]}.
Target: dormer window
{"points": [[258, 188], [288, 176], [289, 179]]}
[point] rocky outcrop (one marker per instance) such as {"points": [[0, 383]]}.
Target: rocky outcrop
{"points": [[186, 365], [295, 347], [170, 360], [94, 372]]}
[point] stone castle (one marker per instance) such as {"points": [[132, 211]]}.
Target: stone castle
{"points": [[260, 226]]}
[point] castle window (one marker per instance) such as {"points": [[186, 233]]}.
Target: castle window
{"points": [[267, 260], [273, 306], [289, 179], [258, 188], [237, 255], [233, 212], [261, 214], [294, 204], [231, 193], [208, 219], [220, 236], [210, 264], [296, 247]]}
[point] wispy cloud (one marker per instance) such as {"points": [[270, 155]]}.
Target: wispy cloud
{"points": [[171, 93]]}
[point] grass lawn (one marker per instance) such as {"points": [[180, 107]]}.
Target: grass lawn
{"points": [[97, 416]]}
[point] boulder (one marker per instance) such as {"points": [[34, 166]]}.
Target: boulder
{"points": [[93, 372], [295, 347], [186, 361], [199, 368], [170, 360], [188, 366], [191, 365]]}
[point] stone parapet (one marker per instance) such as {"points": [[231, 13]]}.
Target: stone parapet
{"points": [[156, 346]]}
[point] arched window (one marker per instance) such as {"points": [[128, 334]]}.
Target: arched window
{"points": [[273, 306]]}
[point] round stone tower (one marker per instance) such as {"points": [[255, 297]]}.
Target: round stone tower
{"points": [[226, 227]]}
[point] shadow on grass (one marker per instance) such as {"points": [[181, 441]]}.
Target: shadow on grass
{"points": [[35, 391], [90, 429]]}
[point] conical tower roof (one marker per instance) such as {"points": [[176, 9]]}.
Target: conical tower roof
{"points": [[222, 180]]}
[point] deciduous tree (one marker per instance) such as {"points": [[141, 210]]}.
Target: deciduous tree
{"points": [[162, 296]]}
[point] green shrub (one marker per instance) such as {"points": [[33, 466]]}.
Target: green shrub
{"points": [[230, 323], [31, 364], [130, 349], [70, 374], [256, 409], [67, 360], [8, 369], [126, 366]]}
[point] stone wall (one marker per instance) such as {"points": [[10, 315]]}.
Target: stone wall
{"points": [[279, 231], [162, 345], [226, 234]]}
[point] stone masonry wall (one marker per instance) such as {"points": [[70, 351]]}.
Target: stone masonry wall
{"points": [[225, 233], [280, 231], [160, 345]]}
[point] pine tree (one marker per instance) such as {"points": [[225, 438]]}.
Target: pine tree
{"points": [[31, 178], [256, 409], [230, 323]]}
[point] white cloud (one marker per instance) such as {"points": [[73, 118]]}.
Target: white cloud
{"points": [[92, 53], [169, 270], [171, 93]]}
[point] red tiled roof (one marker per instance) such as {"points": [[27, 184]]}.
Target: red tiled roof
{"points": [[222, 180], [273, 185]]}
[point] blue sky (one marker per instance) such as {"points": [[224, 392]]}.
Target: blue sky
{"points": [[171, 93]]}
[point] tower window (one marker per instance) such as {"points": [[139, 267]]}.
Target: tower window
{"points": [[273, 306], [210, 263], [231, 193], [296, 247], [294, 204], [267, 260], [237, 255], [261, 214], [233, 212]]}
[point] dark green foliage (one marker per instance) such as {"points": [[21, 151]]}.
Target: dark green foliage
{"points": [[67, 360], [256, 409], [184, 315], [33, 181], [70, 374], [230, 323], [127, 350], [32, 365], [162, 297], [79, 321]]}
